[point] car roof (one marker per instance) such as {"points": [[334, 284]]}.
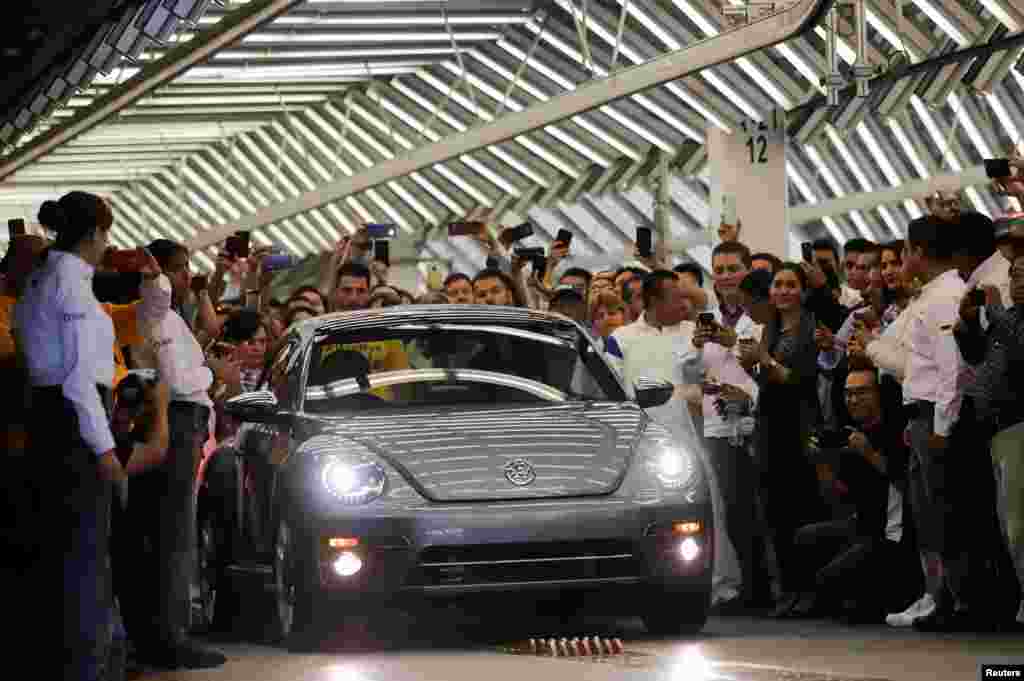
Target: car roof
{"points": [[435, 314]]}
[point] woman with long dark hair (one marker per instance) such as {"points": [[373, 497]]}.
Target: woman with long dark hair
{"points": [[784, 364], [66, 339]]}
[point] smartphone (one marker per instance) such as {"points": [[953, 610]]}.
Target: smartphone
{"points": [[200, 282], [382, 252], [381, 231], [16, 227], [278, 261], [564, 237], [644, 244], [978, 298], [711, 388], [517, 233], [997, 168], [540, 265], [807, 251], [465, 228], [434, 279], [730, 214], [125, 261], [528, 252], [706, 319], [237, 245]]}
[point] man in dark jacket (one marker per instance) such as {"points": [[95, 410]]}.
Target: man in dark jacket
{"points": [[997, 355], [868, 557]]}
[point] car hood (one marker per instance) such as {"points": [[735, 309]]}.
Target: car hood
{"points": [[498, 453]]}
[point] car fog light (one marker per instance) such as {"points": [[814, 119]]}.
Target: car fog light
{"points": [[689, 549], [347, 564]]}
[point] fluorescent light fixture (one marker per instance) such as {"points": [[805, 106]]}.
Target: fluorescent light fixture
{"points": [[882, 159], [972, 130], [908, 148], [391, 20], [270, 169], [391, 37], [938, 17], [979, 204], [850, 159], [938, 139], [998, 10], [843, 49], [627, 52], [833, 229], [890, 37], [643, 100], [314, 232], [565, 84], [522, 140], [223, 207], [890, 222], [581, 121], [801, 65], [1005, 120], [313, 55]]}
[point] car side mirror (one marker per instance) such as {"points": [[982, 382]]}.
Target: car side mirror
{"points": [[257, 407], [652, 393]]}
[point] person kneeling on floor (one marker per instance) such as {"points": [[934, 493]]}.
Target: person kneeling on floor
{"points": [[869, 556]]}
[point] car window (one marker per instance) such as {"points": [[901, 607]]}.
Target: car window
{"points": [[451, 364], [281, 377]]}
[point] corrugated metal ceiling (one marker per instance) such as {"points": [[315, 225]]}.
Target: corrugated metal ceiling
{"points": [[334, 87]]}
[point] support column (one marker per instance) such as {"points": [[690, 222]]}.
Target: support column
{"points": [[750, 166]]}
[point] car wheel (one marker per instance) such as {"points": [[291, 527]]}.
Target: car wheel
{"points": [[213, 608], [296, 597], [677, 614]]}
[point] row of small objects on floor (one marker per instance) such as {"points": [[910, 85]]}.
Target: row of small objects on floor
{"points": [[574, 647]]}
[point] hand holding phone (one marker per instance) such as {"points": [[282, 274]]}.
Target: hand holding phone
{"points": [[807, 252], [564, 237], [16, 227], [517, 233], [381, 231], [382, 252], [199, 283], [997, 168]]}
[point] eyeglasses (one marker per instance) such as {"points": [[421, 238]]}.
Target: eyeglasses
{"points": [[860, 392]]}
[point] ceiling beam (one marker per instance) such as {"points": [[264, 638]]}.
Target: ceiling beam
{"points": [[179, 60], [792, 21]]}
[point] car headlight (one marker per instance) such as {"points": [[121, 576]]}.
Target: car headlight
{"points": [[673, 465], [353, 481]]}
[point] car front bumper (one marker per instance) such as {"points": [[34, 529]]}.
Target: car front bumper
{"points": [[456, 550]]}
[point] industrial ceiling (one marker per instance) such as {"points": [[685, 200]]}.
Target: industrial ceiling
{"points": [[327, 89]]}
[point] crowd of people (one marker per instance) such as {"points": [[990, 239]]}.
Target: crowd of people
{"points": [[856, 411]]}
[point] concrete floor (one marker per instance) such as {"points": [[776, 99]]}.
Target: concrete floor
{"points": [[442, 648]]}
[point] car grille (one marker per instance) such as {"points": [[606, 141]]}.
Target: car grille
{"points": [[493, 564]]}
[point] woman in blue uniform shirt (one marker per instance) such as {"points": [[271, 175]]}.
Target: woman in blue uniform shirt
{"points": [[67, 339]]}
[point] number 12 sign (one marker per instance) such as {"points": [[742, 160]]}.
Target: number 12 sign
{"points": [[764, 139]]}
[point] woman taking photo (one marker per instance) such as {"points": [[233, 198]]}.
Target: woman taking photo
{"points": [[66, 339], [784, 364]]}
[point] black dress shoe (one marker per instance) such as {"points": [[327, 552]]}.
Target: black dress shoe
{"points": [[785, 605]]}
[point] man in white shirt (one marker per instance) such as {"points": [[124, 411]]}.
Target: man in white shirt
{"points": [[166, 495], [983, 270], [724, 436], [656, 346], [932, 389]]}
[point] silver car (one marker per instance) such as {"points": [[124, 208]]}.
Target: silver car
{"points": [[422, 452]]}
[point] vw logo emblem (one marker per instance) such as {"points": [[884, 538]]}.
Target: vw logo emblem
{"points": [[519, 472]]}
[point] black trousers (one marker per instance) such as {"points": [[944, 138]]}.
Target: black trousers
{"points": [[880, 574], [70, 504], [155, 541], [737, 481]]}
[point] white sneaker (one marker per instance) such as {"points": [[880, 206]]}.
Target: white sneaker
{"points": [[922, 607]]}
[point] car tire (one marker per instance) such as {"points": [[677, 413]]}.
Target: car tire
{"points": [[677, 614], [296, 620]]}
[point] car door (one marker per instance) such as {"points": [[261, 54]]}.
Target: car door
{"points": [[265, 446]]}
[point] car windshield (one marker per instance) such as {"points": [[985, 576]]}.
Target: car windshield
{"points": [[445, 364]]}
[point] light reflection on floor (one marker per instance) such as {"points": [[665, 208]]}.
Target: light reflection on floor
{"points": [[731, 649]]}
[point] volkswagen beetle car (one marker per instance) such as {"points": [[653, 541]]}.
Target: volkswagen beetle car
{"points": [[438, 451]]}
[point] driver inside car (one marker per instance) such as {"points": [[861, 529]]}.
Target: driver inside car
{"points": [[382, 355]]}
